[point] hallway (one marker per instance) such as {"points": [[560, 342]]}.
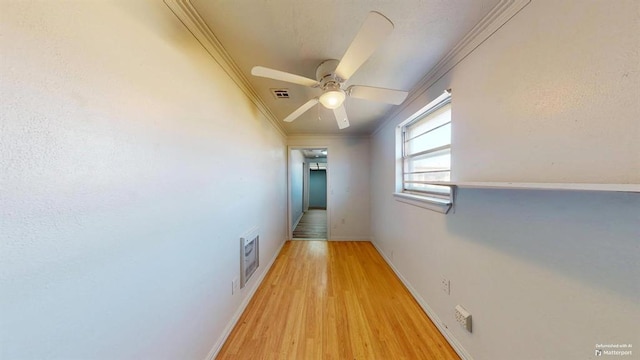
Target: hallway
{"points": [[312, 226], [333, 300]]}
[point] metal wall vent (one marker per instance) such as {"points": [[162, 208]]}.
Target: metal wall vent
{"points": [[280, 93]]}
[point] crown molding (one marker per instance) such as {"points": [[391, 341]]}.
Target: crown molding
{"points": [[189, 16], [494, 20]]}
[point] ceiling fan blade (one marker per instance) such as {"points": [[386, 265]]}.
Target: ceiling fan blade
{"points": [[301, 110], [282, 76], [341, 117], [389, 96], [373, 31]]}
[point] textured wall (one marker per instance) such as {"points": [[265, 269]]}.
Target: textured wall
{"points": [[296, 168], [555, 97], [318, 189], [128, 172], [551, 96]]}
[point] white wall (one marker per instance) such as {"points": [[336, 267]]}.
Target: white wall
{"points": [[554, 96], [551, 96], [128, 173], [348, 188], [296, 171]]}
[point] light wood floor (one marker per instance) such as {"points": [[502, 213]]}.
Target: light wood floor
{"points": [[333, 300], [312, 225]]}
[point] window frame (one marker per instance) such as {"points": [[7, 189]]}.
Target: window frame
{"points": [[438, 197]]}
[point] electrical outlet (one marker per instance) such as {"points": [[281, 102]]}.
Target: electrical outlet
{"points": [[446, 286], [235, 286], [463, 317]]}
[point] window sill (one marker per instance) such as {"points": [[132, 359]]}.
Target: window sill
{"points": [[431, 203], [542, 186]]}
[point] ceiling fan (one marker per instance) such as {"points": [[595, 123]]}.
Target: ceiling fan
{"points": [[331, 74]]}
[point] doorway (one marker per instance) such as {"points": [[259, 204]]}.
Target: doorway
{"points": [[308, 197]]}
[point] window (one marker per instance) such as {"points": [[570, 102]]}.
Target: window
{"points": [[426, 150]]}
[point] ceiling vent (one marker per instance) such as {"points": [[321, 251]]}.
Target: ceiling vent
{"points": [[280, 93]]}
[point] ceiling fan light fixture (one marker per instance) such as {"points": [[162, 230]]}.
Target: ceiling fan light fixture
{"points": [[332, 99]]}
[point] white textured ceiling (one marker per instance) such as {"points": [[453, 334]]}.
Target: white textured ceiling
{"points": [[296, 36]]}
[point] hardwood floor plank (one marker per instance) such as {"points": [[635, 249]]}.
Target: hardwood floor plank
{"points": [[312, 225], [333, 300]]}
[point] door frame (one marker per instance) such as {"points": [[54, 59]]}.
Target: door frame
{"points": [[289, 168]]}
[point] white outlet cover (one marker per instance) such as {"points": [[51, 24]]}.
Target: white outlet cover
{"points": [[463, 317], [446, 286]]}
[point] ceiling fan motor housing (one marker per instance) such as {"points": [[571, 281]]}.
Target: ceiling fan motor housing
{"points": [[325, 74]]}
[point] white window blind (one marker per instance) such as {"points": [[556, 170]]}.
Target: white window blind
{"points": [[426, 151]]}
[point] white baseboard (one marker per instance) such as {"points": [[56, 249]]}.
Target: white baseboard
{"points": [[455, 344], [232, 323]]}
